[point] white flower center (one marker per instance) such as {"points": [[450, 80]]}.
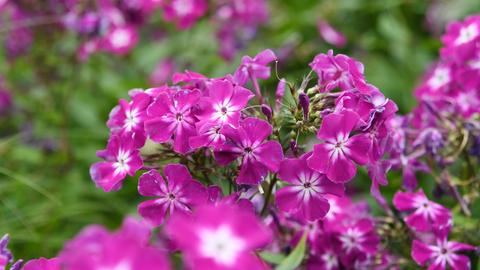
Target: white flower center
{"points": [[120, 38], [122, 161], [467, 34], [441, 76], [221, 245], [330, 260], [351, 239], [131, 119], [182, 7]]}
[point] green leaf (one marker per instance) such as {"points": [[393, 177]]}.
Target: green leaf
{"points": [[274, 258], [294, 259]]}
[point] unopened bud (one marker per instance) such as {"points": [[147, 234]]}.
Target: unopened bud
{"points": [[304, 101], [267, 111]]}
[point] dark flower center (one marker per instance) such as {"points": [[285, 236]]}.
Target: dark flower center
{"points": [[224, 110], [425, 205], [248, 150], [444, 251], [171, 196], [307, 185], [179, 116]]}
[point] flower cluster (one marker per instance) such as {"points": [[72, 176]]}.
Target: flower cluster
{"points": [[114, 26], [443, 130], [432, 223], [219, 153]]}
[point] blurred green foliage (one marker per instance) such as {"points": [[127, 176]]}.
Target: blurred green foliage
{"points": [[61, 105]]}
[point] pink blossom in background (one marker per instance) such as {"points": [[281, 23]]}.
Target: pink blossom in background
{"points": [[121, 40], [254, 68], [184, 12], [163, 72], [177, 192], [330, 34], [95, 248], [220, 237], [424, 213], [43, 264]]}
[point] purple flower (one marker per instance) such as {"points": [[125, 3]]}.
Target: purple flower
{"points": [[184, 12], [43, 264], [178, 192], [338, 71], [170, 116], [442, 253], [359, 237], [331, 35], [97, 249], [120, 40], [335, 157], [253, 68], [162, 72], [121, 158], [248, 142], [220, 237], [128, 117], [5, 254], [304, 196], [424, 213], [460, 39], [223, 104]]}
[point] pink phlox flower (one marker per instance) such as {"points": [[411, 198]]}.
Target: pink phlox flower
{"points": [[424, 214], [121, 157]]}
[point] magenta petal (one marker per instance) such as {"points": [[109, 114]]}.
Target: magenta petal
{"points": [[404, 201], [421, 252], [182, 136], [331, 187], [220, 91], [160, 107], [240, 98], [195, 192], [226, 154], [456, 246], [341, 170], [358, 147], [186, 99], [176, 174], [270, 154], [315, 208], [251, 173], [42, 264], [151, 184], [160, 129], [337, 124], [153, 211], [105, 176], [320, 158], [265, 57], [290, 168], [256, 129], [460, 262], [418, 222], [288, 198]]}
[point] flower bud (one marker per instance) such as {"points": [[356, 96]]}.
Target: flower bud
{"points": [[267, 111], [305, 104]]}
